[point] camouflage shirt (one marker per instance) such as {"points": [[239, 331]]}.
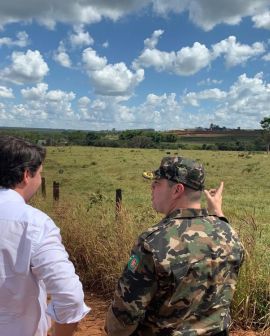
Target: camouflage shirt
{"points": [[180, 278]]}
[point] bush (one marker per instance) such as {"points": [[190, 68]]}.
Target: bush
{"points": [[140, 141]]}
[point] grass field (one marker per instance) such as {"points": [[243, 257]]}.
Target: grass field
{"points": [[99, 243]]}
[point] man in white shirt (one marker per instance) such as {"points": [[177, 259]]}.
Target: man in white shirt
{"points": [[33, 261]]}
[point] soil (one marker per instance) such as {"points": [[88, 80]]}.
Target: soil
{"points": [[93, 323]]}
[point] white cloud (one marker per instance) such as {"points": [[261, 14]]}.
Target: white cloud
{"points": [[57, 96], [6, 92], [92, 61], [189, 60], [249, 96], [153, 100], [45, 104], [105, 44], [262, 20], [160, 60], [116, 80], [164, 7], [159, 112], [236, 53], [15, 115], [266, 57], [26, 67], [98, 104], [209, 81], [83, 107], [63, 59], [125, 116], [245, 103], [3, 112], [193, 98], [206, 14], [150, 43], [74, 12], [110, 79], [23, 112], [84, 101], [185, 62], [80, 38], [100, 111], [61, 56], [35, 93], [22, 40], [6, 114], [209, 13]]}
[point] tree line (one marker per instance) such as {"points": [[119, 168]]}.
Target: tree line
{"points": [[149, 138]]}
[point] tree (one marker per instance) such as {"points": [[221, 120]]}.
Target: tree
{"points": [[76, 137], [129, 134], [140, 141], [169, 137], [91, 137], [265, 123]]}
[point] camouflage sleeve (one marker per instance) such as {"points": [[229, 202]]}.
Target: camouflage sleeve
{"points": [[136, 288]]}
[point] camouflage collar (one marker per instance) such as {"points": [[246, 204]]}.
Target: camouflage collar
{"points": [[176, 214], [188, 213]]}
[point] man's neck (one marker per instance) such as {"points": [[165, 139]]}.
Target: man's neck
{"points": [[184, 205], [20, 191]]}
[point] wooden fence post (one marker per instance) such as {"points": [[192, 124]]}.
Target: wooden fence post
{"points": [[56, 190], [118, 202], [43, 186]]}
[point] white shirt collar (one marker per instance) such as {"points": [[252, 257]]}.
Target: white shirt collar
{"points": [[10, 194]]}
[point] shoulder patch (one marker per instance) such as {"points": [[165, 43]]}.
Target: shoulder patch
{"points": [[133, 263]]}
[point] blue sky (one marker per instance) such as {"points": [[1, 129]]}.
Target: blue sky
{"points": [[97, 64]]}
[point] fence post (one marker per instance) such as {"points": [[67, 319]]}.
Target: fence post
{"points": [[56, 190], [43, 186], [118, 202]]}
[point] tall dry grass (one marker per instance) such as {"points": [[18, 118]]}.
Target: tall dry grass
{"points": [[98, 241], [251, 308]]}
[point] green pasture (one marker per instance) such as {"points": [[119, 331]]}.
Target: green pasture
{"points": [[99, 242], [85, 171]]}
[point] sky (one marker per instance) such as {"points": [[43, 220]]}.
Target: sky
{"points": [[133, 64]]}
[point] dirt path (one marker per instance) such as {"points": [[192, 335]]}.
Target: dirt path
{"points": [[93, 323]]}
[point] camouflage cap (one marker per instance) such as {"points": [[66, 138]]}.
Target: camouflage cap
{"points": [[180, 170]]}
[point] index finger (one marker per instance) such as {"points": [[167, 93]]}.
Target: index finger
{"points": [[220, 188]]}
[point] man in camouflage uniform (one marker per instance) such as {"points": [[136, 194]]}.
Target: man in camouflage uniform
{"points": [[182, 272]]}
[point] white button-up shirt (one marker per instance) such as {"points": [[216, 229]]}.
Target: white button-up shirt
{"points": [[34, 263]]}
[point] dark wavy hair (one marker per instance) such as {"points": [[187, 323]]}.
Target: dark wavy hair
{"points": [[16, 156]]}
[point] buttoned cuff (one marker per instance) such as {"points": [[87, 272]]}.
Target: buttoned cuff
{"points": [[67, 314]]}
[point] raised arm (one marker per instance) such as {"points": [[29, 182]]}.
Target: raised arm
{"points": [[214, 200]]}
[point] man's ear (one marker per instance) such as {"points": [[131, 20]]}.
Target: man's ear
{"points": [[26, 176], [179, 189]]}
